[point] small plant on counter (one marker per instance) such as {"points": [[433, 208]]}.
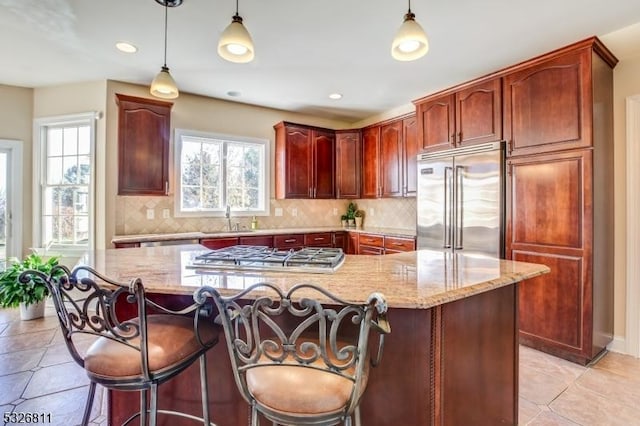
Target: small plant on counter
{"points": [[351, 213], [359, 215], [343, 219]]}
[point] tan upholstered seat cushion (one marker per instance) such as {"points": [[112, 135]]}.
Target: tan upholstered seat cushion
{"points": [[291, 388], [171, 339]]}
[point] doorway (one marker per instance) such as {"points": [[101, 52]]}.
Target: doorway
{"points": [[10, 200]]}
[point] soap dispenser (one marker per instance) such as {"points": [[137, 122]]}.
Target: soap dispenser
{"points": [[254, 223]]}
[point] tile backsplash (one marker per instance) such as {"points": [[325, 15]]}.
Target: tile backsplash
{"points": [[132, 219]]}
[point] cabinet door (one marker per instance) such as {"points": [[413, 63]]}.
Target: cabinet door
{"points": [[323, 164], [391, 156], [411, 150], [547, 106], [340, 240], [288, 241], [143, 145], [436, 126], [549, 221], [370, 167], [257, 240], [348, 152], [318, 239], [352, 243], [479, 113], [298, 162], [398, 244], [216, 243]]}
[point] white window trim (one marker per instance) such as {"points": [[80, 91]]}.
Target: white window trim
{"points": [[177, 139], [14, 195], [39, 126]]}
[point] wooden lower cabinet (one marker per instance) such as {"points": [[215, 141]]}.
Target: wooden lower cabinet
{"points": [[370, 244], [398, 245], [288, 241], [318, 239], [257, 240], [552, 220], [449, 365], [216, 243]]}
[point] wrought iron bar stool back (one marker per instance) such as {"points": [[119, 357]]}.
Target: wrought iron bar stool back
{"points": [[133, 354], [300, 357]]}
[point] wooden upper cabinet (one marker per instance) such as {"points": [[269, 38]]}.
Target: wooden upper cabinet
{"points": [[324, 145], [411, 150], [391, 157], [479, 113], [143, 145], [469, 116], [370, 166], [547, 106], [304, 161], [436, 127], [348, 163]]}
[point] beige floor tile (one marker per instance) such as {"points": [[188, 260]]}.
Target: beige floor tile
{"points": [[12, 386], [14, 362], [624, 365], [540, 387], [66, 408], [526, 411], [22, 327], [548, 418], [56, 378], [26, 341], [536, 360], [624, 389], [8, 315], [587, 407]]}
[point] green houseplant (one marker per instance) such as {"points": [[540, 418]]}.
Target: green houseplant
{"points": [[351, 213], [359, 216], [28, 296]]}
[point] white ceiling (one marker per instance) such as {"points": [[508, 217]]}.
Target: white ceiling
{"points": [[304, 49]]}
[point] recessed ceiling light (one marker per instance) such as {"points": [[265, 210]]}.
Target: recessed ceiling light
{"points": [[125, 47], [335, 96], [233, 93]]}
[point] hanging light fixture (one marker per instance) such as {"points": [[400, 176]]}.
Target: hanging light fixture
{"points": [[163, 86], [235, 43], [410, 42]]}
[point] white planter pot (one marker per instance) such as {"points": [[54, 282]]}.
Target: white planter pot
{"points": [[32, 311], [358, 222]]}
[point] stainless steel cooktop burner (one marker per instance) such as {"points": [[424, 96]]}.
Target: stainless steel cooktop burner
{"points": [[245, 257]]}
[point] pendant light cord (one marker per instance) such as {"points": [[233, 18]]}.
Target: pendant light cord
{"points": [[409, 6], [237, 7], [166, 8]]}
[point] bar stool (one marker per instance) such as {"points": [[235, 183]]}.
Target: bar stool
{"points": [[294, 360], [137, 354]]}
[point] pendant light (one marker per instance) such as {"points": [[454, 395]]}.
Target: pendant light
{"points": [[163, 86], [235, 43], [410, 42]]}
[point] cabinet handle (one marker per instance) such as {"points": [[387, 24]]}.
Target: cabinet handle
{"points": [[460, 137], [510, 146], [315, 192], [166, 187], [397, 244], [292, 240], [318, 239]]}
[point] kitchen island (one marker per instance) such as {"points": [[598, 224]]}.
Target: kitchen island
{"points": [[452, 356]]}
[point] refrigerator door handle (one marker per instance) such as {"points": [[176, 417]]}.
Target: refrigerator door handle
{"points": [[448, 206], [459, 203]]}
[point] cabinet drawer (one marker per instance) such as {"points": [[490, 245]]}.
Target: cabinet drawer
{"points": [[399, 244], [374, 251], [318, 239], [371, 240], [257, 240], [291, 241], [126, 245]]}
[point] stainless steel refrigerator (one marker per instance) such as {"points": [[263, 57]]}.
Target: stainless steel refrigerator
{"points": [[460, 200]]}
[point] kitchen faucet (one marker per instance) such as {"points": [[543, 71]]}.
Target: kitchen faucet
{"points": [[228, 216]]}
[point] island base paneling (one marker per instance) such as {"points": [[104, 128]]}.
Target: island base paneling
{"points": [[452, 364]]}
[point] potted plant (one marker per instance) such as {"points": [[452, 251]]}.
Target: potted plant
{"points": [[359, 215], [343, 220], [351, 213], [29, 297]]}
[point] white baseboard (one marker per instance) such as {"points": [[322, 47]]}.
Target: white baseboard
{"points": [[619, 345]]}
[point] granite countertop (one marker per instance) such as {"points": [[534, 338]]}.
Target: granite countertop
{"points": [[416, 280], [395, 232]]}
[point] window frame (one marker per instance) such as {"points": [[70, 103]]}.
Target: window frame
{"points": [[41, 126], [177, 202]]}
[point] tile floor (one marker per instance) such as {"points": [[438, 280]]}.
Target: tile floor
{"points": [[37, 374]]}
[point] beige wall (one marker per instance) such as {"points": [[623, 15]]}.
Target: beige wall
{"points": [[16, 111], [626, 82]]}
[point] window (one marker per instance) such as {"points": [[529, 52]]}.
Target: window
{"points": [[65, 184], [216, 171]]}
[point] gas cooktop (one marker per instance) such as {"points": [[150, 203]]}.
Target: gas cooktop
{"points": [[261, 258]]}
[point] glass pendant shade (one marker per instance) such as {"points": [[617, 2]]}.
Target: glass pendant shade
{"points": [[163, 86], [410, 42], [235, 43]]}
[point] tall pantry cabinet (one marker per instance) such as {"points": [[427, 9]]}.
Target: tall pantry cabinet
{"points": [[558, 124]]}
